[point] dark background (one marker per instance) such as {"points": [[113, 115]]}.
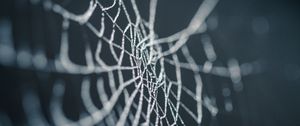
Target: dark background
{"points": [[269, 98]]}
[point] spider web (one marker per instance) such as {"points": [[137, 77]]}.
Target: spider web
{"points": [[138, 87]]}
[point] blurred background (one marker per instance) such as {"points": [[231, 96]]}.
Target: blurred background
{"points": [[266, 32]]}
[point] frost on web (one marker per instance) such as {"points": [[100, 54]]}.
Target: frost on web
{"points": [[138, 76]]}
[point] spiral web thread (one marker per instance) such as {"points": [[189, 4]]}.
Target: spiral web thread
{"points": [[143, 104]]}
